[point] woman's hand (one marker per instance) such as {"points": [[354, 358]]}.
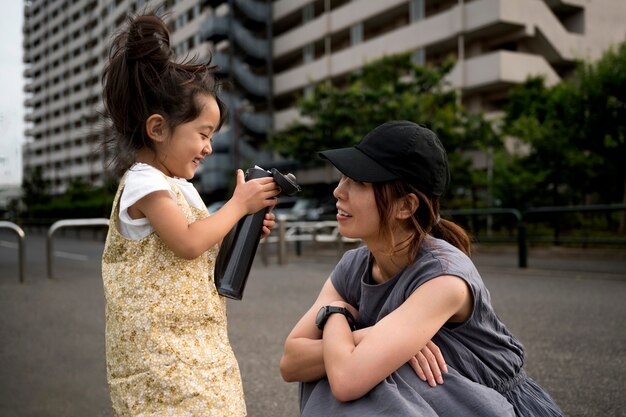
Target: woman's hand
{"points": [[429, 364], [268, 224]]}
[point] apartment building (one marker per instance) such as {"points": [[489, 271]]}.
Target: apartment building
{"points": [[272, 52], [65, 48], [497, 43]]}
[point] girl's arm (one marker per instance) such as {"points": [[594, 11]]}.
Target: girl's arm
{"points": [[353, 370], [191, 240]]}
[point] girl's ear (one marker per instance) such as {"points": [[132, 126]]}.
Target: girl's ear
{"points": [[156, 128], [407, 206]]}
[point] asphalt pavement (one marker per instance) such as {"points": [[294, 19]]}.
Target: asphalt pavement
{"points": [[568, 308]]}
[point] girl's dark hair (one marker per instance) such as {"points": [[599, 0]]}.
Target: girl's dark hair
{"points": [[142, 78], [425, 219]]}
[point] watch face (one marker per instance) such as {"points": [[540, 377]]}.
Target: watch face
{"points": [[321, 314]]}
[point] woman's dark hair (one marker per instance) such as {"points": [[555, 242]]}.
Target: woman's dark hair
{"points": [[142, 78], [425, 219]]}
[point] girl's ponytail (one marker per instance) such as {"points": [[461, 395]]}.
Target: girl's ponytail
{"points": [[142, 78], [138, 56], [148, 41]]}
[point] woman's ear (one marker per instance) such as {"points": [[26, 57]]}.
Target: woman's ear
{"points": [[156, 128], [407, 206]]}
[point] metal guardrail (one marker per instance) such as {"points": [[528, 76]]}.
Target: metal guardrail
{"points": [[557, 239], [20, 241], [304, 231], [522, 240], [325, 231], [68, 223], [522, 247]]}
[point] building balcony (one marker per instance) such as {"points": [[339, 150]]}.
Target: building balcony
{"points": [[217, 28], [500, 69], [213, 3], [485, 20], [255, 10], [256, 122], [251, 83], [490, 72]]}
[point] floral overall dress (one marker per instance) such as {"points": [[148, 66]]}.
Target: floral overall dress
{"points": [[167, 346]]}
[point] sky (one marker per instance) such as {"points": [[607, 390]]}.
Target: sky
{"points": [[11, 92]]}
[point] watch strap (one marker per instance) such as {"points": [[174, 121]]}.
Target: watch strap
{"points": [[329, 310]]}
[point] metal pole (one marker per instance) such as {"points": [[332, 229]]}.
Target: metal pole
{"points": [[282, 242], [298, 243], [522, 249], [263, 245], [20, 244], [68, 223], [49, 252], [339, 245]]}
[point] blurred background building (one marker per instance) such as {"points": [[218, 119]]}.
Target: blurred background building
{"points": [[272, 52]]}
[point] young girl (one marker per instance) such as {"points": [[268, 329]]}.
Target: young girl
{"points": [[411, 282], [167, 346]]}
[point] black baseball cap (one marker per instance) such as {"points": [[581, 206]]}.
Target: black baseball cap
{"points": [[398, 149]]}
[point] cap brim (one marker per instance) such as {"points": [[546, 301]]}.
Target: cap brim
{"points": [[354, 164]]}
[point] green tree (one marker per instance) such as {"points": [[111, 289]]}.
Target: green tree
{"points": [[391, 88], [603, 87], [575, 133], [548, 121], [35, 189], [80, 200]]}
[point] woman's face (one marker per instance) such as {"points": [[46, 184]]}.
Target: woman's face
{"points": [[357, 212]]}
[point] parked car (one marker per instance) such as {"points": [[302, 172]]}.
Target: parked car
{"points": [[296, 208], [293, 208], [325, 209]]}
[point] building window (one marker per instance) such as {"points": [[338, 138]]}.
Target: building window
{"points": [[308, 53], [308, 13], [416, 10], [419, 57], [356, 34]]}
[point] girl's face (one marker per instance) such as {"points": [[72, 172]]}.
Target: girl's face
{"points": [[190, 142], [357, 211]]}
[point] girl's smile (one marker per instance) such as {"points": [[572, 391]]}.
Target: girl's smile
{"points": [[180, 153]]}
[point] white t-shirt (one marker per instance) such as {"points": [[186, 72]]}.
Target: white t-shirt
{"points": [[141, 180]]}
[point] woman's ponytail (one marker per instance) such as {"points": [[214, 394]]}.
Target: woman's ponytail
{"points": [[453, 234]]}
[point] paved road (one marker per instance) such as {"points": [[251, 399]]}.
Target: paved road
{"points": [[567, 308]]}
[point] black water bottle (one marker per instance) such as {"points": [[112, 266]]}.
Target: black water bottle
{"points": [[239, 246]]}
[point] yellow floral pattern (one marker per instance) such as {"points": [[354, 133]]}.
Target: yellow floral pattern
{"points": [[167, 346]]}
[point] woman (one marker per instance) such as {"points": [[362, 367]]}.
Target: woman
{"points": [[411, 281]]}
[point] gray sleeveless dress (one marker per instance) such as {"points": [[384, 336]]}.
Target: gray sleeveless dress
{"points": [[486, 375]]}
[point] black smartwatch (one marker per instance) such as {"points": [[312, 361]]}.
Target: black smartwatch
{"points": [[326, 311]]}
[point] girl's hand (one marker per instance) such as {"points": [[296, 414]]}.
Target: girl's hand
{"points": [[268, 224], [255, 194], [429, 364]]}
